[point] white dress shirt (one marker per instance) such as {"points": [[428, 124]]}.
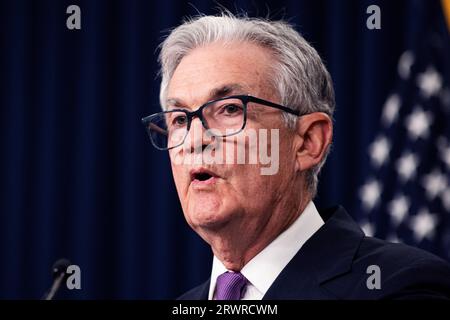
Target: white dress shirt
{"points": [[264, 268]]}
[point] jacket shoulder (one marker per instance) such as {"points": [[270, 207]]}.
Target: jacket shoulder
{"points": [[405, 272], [392, 254], [200, 292]]}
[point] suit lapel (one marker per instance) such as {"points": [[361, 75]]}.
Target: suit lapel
{"points": [[326, 255]]}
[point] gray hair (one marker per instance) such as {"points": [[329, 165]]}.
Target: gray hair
{"points": [[300, 77]]}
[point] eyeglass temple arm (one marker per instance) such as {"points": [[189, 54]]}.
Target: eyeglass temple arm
{"points": [[274, 105], [154, 127]]}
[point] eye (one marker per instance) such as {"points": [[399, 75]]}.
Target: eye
{"points": [[179, 120], [231, 109]]}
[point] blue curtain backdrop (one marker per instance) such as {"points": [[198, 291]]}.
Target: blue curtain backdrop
{"points": [[78, 176]]}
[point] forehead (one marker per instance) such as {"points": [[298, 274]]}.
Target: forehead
{"points": [[242, 66]]}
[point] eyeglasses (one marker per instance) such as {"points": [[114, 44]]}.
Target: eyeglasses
{"points": [[222, 118]]}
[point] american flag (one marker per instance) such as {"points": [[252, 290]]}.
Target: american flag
{"points": [[405, 195]]}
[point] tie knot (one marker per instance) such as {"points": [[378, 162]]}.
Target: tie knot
{"points": [[230, 286]]}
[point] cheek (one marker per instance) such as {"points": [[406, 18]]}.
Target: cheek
{"points": [[255, 193], [178, 177], [249, 185]]}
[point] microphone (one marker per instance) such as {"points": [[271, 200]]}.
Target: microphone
{"points": [[59, 275]]}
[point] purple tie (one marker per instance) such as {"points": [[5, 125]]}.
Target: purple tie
{"points": [[230, 286]]}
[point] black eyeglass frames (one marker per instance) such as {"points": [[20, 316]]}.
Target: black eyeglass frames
{"points": [[222, 117]]}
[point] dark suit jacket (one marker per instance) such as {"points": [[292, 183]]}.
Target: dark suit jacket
{"points": [[333, 264]]}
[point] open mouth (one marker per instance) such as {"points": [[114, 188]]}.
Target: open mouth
{"points": [[202, 176]]}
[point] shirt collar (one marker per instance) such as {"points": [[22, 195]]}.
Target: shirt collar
{"points": [[264, 268]]}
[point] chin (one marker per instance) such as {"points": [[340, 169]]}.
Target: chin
{"points": [[209, 220]]}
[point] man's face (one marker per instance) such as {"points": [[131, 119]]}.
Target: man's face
{"points": [[237, 196]]}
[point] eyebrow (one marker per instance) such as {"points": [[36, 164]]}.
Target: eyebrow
{"points": [[215, 93]]}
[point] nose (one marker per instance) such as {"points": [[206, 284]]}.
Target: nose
{"points": [[198, 137]]}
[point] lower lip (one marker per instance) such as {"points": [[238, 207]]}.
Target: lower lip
{"points": [[204, 183]]}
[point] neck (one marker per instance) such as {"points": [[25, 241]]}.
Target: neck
{"points": [[237, 245]]}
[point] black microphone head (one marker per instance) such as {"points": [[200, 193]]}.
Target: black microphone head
{"points": [[59, 270], [60, 266]]}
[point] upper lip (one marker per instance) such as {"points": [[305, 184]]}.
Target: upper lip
{"points": [[193, 173]]}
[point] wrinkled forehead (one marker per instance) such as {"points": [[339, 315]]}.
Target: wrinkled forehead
{"points": [[218, 70], [221, 91]]}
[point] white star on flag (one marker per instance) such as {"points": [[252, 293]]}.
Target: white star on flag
{"points": [[418, 123], [445, 196], [398, 209], [405, 63], [423, 225], [370, 194], [407, 166], [368, 229], [390, 109], [434, 183], [379, 151], [429, 82]]}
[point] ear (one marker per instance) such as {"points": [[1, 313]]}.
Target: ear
{"points": [[314, 135]]}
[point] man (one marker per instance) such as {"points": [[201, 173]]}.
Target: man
{"points": [[227, 77]]}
